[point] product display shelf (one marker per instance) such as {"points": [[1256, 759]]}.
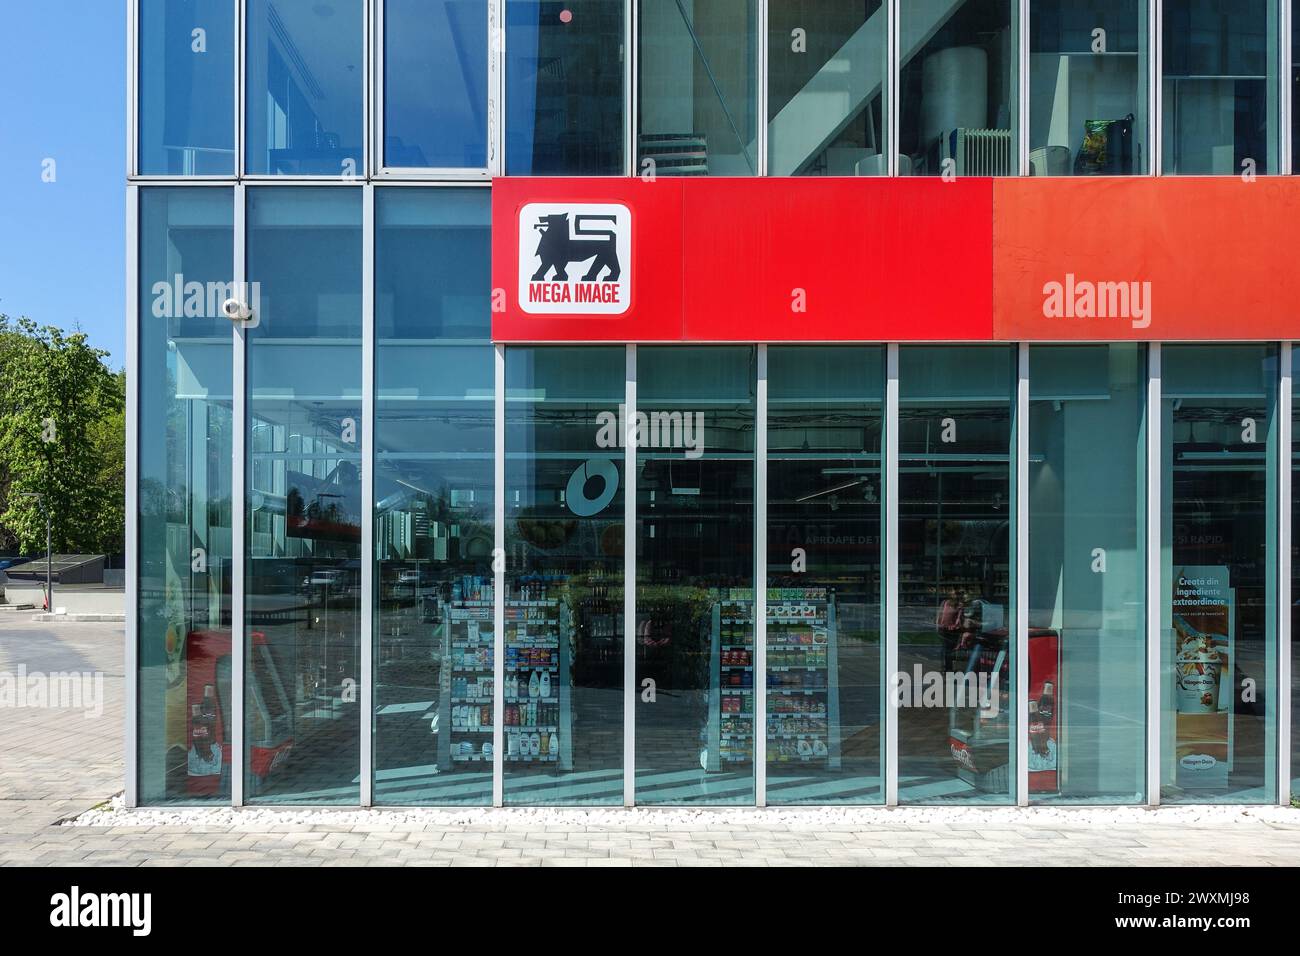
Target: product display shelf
{"points": [[465, 699], [537, 694], [803, 696]]}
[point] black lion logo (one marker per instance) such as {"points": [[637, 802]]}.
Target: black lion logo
{"points": [[556, 248]]}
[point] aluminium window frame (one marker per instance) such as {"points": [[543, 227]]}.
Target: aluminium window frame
{"points": [[367, 98], [494, 164]]}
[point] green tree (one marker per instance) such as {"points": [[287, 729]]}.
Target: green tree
{"points": [[61, 437]]}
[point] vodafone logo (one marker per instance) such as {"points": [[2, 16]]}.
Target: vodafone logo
{"points": [[575, 258]]}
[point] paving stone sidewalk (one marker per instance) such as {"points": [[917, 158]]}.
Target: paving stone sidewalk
{"points": [[57, 764]]}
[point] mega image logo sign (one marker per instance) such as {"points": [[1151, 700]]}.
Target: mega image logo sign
{"points": [[575, 258]]}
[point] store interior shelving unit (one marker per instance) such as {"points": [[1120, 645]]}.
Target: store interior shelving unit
{"points": [[537, 633], [466, 682], [803, 720], [538, 642]]}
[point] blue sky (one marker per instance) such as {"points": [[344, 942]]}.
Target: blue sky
{"points": [[63, 97]]}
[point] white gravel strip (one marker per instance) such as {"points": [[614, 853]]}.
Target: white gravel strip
{"points": [[115, 814]]}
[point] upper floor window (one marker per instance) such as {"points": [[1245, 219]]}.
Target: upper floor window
{"points": [[305, 87], [1220, 87], [187, 88], [698, 64], [1088, 88], [957, 88], [564, 87], [435, 84]]}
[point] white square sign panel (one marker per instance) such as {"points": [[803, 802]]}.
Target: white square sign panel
{"points": [[575, 258]]}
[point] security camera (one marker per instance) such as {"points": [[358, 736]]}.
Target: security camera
{"points": [[236, 311]]}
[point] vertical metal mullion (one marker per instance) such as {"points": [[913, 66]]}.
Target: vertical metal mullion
{"points": [[368, 162], [496, 87], [892, 66], [1286, 158], [239, 508], [1022, 89], [377, 120], [131, 652], [1154, 511], [629, 578], [760, 582], [499, 577], [1155, 82], [1284, 596], [241, 88], [366, 696], [889, 581], [132, 90], [1021, 664], [630, 33], [761, 140]]}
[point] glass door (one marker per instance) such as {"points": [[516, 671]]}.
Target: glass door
{"points": [[694, 640]]}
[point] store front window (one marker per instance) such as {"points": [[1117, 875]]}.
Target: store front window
{"points": [[1218, 653], [185, 446], [955, 531], [434, 439], [824, 501], [1295, 596], [1220, 87], [187, 88], [1087, 574], [698, 65], [305, 79], [1088, 88], [564, 572], [435, 84], [957, 102], [694, 640], [564, 87], [303, 520], [826, 70]]}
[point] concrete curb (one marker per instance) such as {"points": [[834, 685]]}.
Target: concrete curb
{"points": [[80, 618]]}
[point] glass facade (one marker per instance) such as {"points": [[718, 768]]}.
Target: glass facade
{"points": [[957, 88], [956, 506], [433, 498], [819, 74], [792, 640], [1219, 574], [563, 604], [184, 514], [825, 425], [435, 84], [697, 96], [565, 87], [186, 102], [302, 617], [827, 65], [1293, 612], [304, 74], [1220, 87], [1087, 580], [1088, 83], [694, 641]]}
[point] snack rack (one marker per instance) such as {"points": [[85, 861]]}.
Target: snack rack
{"points": [[537, 641], [803, 719], [466, 682]]}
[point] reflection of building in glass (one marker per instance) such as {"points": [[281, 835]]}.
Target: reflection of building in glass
{"points": [[444, 578]]}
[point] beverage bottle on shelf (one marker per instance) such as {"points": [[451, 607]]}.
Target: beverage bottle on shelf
{"points": [[1046, 701]]}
